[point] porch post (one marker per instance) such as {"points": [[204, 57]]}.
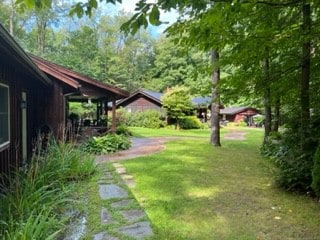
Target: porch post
{"points": [[98, 112], [113, 127], [106, 111]]}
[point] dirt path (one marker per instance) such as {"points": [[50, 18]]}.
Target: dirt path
{"points": [[235, 135], [146, 146], [140, 147]]}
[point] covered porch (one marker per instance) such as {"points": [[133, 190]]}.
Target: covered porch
{"points": [[75, 87]]}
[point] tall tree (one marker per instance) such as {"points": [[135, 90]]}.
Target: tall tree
{"points": [[215, 105]]}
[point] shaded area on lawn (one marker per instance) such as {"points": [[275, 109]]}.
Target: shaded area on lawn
{"points": [[194, 191]]}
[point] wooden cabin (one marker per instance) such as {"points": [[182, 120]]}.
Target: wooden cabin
{"points": [[142, 100], [23, 96], [34, 94], [238, 114]]}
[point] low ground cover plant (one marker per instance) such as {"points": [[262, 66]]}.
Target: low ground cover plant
{"points": [[34, 200], [106, 144]]}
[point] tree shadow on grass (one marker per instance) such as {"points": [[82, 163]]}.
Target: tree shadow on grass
{"points": [[190, 194]]}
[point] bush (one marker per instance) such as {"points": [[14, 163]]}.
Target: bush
{"points": [[190, 122], [316, 172], [106, 144], [147, 119], [237, 124], [123, 130], [293, 164]]}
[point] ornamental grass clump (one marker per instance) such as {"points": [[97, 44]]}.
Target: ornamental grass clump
{"points": [[33, 201]]}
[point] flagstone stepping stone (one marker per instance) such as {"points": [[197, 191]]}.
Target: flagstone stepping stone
{"points": [[132, 215], [105, 181], [104, 236], [106, 217], [138, 230], [117, 165], [130, 183], [107, 175], [121, 170], [126, 176], [122, 203], [109, 191]]}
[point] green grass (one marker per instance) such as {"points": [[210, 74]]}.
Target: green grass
{"points": [[165, 132], [195, 191]]}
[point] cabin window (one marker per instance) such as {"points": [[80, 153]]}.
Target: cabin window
{"points": [[4, 115]]}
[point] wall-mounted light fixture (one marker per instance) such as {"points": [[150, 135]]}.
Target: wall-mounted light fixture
{"points": [[23, 104]]}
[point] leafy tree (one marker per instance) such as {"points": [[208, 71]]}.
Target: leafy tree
{"points": [[176, 65], [177, 103]]}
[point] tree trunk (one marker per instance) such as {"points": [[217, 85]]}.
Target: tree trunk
{"points": [[276, 120], [305, 74], [215, 106], [267, 100]]}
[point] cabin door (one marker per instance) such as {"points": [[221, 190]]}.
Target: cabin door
{"points": [[24, 125]]}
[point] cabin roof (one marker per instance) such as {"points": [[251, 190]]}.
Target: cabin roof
{"points": [[87, 86], [12, 52], [155, 96], [201, 101], [235, 110]]}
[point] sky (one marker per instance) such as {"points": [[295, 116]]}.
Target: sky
{"points": [[170, 17]]}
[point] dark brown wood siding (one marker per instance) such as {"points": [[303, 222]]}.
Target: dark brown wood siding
{"points": [[18, 82], [142, 104]]}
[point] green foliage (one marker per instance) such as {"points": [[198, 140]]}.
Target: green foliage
{"points": [[294, 165], [33, 202], [147, 119], [123, 130], [316, 172], [177, 103], [190, 122], [237, 124], [106, 144]]}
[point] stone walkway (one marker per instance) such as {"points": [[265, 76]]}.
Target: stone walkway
{"points": [[140, 147], [120, 212]]}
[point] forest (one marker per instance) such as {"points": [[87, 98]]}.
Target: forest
{"points": [[258, 53]]}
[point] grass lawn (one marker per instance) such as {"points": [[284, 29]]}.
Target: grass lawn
{"points": [[195, 191], [163, 132]]}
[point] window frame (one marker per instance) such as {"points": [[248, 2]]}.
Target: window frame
{"points": [[6, 144]]}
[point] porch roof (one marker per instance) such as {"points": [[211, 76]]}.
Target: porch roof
{"points": [[87, 88]]}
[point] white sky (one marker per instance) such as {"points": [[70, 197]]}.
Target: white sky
{"points": [[129, 6]]}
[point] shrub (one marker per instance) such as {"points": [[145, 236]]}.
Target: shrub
{"points": [[242, 124], [190, 122], [123, 130], [237, 124], [148, 119], [316, 172], [106, 144], [294, 165]]}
